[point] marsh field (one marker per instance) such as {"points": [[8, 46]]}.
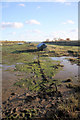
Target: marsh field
{"points": [[40, 85]]}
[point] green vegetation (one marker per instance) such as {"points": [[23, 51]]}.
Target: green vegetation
{"points": [[34, 73]]}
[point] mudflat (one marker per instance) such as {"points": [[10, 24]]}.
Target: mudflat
{"points": [[30, 87]]}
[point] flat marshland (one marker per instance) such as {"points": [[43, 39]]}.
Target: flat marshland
{"points": [[32, 85]]}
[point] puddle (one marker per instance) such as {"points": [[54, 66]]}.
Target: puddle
{"points": [[69, 70], [6, 67]]}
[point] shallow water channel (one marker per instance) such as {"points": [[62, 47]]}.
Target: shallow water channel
{"points": [[69, 70], [6, 67]]}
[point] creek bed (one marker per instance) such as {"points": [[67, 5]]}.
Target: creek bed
{"points": [[69, 70]]}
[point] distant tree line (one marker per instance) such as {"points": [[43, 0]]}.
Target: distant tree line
{"points": [[6, 41]]}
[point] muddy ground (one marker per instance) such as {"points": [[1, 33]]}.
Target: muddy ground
{"points": [[29, 90]]}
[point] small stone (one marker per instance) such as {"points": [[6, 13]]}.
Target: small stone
{"points": [[37, 99], [50, 100], [53, 103], [43, 101], [27, 94], [48, 106], [17, 109]]}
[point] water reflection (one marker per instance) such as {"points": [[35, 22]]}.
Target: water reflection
{"points": [[6, 67], [69, 70]]}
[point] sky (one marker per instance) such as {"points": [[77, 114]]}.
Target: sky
{"points": [[38, 21]]}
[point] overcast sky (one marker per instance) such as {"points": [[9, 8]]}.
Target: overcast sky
{"points": [[37, 21]]}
